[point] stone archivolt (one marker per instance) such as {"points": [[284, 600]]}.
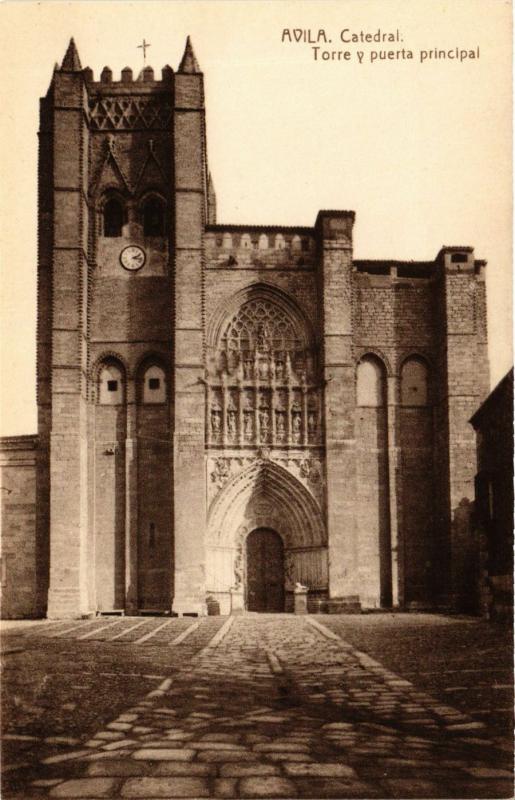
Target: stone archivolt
{"points": [[267, 490], [308, 470], [265, 495]]}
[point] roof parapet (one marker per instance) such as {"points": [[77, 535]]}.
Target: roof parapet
{"points": [[126, 79]]}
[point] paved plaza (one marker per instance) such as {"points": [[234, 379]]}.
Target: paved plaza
{"points": [[258, 706]]}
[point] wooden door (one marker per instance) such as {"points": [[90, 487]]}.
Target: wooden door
{"points": [[265, 571]]}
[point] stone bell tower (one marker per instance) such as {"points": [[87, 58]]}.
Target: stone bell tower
{"points": [[123, 196], [191, 215]]}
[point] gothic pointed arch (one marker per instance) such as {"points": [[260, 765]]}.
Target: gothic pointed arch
{"points": [[268, 294], [152, 172], [110, 174], [263, 385], [266, 495]]}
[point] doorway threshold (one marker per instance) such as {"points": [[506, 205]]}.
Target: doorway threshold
{"points": [[112, 612], [154, 612]]}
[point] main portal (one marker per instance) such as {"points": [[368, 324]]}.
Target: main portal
{"points": [[265, 571]]}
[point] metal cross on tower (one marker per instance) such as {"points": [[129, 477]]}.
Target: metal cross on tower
{"points": [[144, 48]]}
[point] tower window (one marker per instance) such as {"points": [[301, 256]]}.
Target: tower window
{"points": [[110, 385], [153, 217], [154, 386], [113, 218], [459, 258]]}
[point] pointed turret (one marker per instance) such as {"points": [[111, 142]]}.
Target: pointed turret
{"points": [[189, 63], [56, 69], [71, 60], [211, 201]]}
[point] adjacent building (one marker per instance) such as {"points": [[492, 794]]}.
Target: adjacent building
{"points": [[493, 423]]}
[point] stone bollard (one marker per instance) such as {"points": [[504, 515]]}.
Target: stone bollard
{"points": [[237, 604], [300, 599]]}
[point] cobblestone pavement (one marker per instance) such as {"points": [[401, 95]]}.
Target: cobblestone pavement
{"points": [[265, 706]]}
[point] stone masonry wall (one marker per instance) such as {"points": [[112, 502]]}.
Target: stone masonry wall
{"points": [[18, 526], [122, 498]]}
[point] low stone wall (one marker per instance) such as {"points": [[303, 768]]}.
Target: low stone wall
{"points": [[18, 526]]}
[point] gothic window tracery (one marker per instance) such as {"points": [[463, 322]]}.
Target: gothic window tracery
{"points": [[261, 327], [263, 388]]}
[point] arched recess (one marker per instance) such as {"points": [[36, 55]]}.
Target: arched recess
{"points": [[110, 426], [226, 310], [265, 495], [373, 499], [154, 485], [113, 213], [99, 371], [262, 335], [370, 382], [152, 212], [152, 380], [111, 385], [415, 388], [417, 481]]}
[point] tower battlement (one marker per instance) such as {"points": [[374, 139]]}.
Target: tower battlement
{"points": [[145, 78]]}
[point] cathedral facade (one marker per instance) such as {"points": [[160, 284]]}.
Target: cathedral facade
{"points": [[228, 411]]}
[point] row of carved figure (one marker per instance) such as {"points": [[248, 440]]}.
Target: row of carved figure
{"points": [[264, 425]]}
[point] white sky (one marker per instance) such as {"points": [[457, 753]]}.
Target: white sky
{"points": [[421, 152]]}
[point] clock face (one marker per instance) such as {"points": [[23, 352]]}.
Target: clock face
{"points": [[132, 257]]}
